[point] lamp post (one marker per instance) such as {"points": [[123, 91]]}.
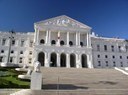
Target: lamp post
{"points": [[10, 44]]}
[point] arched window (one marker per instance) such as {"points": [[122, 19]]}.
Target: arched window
{"points": [[81, 43], [12, 51], [21, 52], [70, 43], [42, 41], [53, 42], [62, 42]]}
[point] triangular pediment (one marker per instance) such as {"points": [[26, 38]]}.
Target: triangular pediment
{"points": [[64, 21]]}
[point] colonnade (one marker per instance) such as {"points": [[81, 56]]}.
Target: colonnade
{"points": [[48, 37]]}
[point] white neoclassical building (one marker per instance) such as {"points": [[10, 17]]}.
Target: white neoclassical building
{"points": [[64, 42]]}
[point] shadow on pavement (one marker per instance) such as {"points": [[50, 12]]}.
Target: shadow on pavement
{"points": [[62, 87]]}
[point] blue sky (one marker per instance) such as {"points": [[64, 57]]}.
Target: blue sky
{"points": [[106, 17]]}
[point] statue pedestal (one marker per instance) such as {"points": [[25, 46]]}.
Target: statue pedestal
{"points": [[36, 81]]}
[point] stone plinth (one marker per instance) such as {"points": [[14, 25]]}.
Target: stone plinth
{"points": [[36, 81]]}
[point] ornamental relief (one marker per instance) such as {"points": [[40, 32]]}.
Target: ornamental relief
{"points": [[64, 22]]}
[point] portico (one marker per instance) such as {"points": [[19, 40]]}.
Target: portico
{"points": [[63, 42]]}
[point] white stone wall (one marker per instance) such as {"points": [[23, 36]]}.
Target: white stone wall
{"points": [[17, 48], [114, 58]]}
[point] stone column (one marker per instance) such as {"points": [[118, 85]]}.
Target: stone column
{"points": [[58, 38], [37, 37], [77, 39], [58, 60], [67, 61], [47, 58], [46, 38], [89, 61], [87, 40], [67, 38], [78, 61], [80, 64], [49, 40]]}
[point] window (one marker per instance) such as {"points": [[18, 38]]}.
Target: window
{"points": [[22, 43], [106, 56], [114, 63], [126, 48], [98, 56], [1, 58], [119, 47], [112, 48], [12, 51], [70, 43], [11, 59], [30, 52], [113, 56], [20, 60], [53, 42], [105, 47], [121, 64], [98, 47], [31, 43], [30, 60], [99, 64], [3, 41], [13, 42], [107, 63], [61, 42], [42, 41], [2, 51], [120, 57], [21, 52], [81, 44]]}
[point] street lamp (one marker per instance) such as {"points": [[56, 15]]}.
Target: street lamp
{"points": [[10, 44]]}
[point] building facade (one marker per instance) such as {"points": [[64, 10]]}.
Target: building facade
{"points": [[64, 42], [21, 47]]}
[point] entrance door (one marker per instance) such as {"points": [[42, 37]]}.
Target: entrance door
{"points": [[72, 60], [53, 60], [84, 61], [41, 58], [63, 60]]}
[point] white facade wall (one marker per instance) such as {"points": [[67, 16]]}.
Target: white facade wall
{"points": [[16, 49], [118, 57]]}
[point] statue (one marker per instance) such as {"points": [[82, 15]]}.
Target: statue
{"points": [[24, 68], [27, 75], [37, 66]]}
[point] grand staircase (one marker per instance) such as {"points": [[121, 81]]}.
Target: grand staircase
{"points": [[72, 81]]}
